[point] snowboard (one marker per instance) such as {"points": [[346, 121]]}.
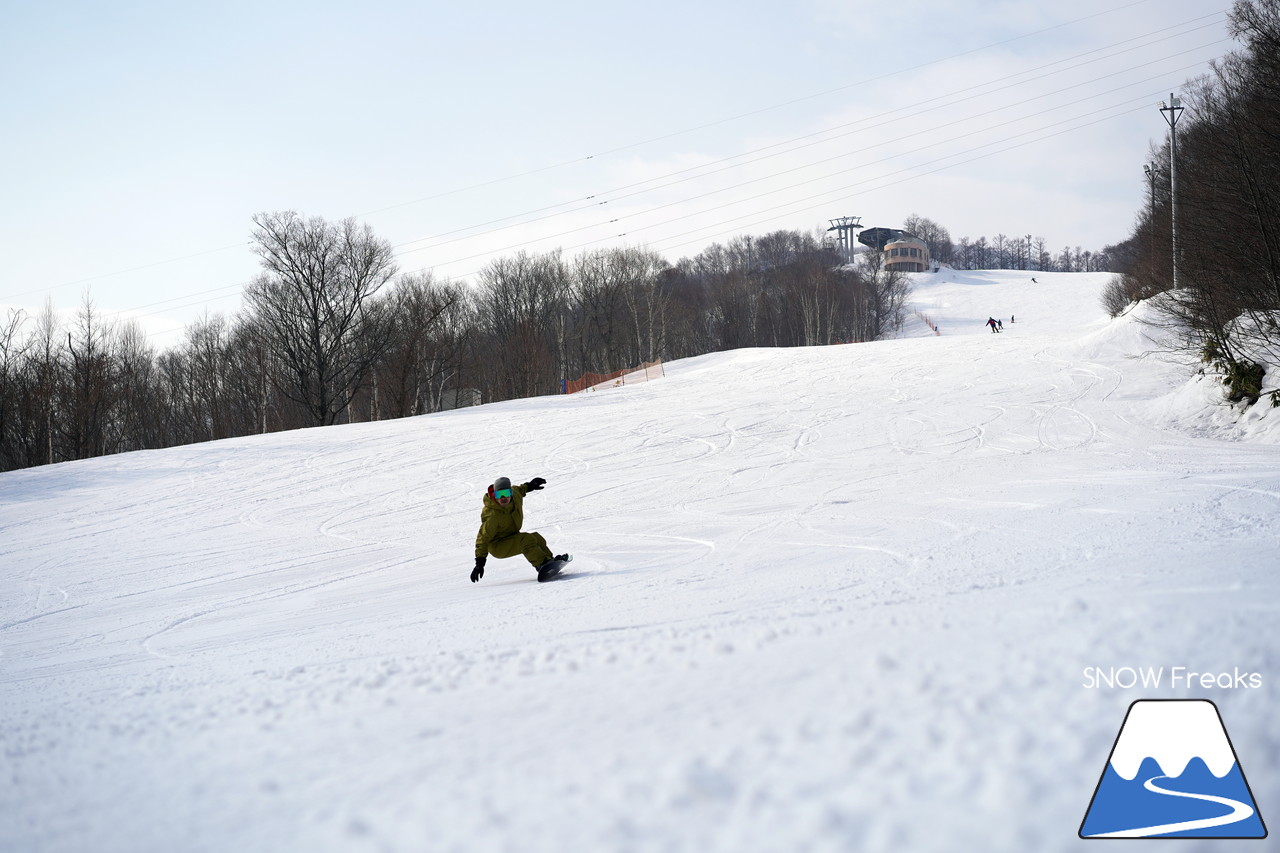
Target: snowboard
{"points": [[552, 568]]}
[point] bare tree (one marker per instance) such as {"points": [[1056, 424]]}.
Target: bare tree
{"points": [[937, 238], [87, 386], [424, 346], [311, 304], [647, 302], [135, 422], [883, 300], [522, 299], [48, 362], [1041, 257], [598, 288], [12, 355]]}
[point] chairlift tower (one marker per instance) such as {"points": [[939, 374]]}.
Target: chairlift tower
{"points": [[844, 227]]}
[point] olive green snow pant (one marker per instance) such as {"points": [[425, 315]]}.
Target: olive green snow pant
{"points": [[532, 545]]}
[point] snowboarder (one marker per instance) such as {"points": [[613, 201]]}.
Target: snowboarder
{"points": [[500, 523], [991, 321]]}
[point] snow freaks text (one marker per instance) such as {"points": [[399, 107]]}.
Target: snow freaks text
{"points": [[1174, 677]]}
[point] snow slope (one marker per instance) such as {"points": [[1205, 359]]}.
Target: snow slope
{"points": [[837, 598]]}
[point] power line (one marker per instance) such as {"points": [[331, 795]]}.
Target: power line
{"points": [[912, 107], [650, 140], [808, 201], [845, 87], [974, 89], [858, 184], [914, 175], [688, 199], [824, 194], [54, 287], [907, 109]]}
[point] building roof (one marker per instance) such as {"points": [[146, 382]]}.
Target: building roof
{"points": [[876, 238]]}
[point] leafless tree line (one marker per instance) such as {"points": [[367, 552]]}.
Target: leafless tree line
{"points": [[1227, 305], [330, 332], [1003, 252]]}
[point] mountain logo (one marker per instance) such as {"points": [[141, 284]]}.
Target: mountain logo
{"points": [[1172, 773]]}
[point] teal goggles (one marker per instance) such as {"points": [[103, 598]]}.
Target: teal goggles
{"points": [[502, 493]]}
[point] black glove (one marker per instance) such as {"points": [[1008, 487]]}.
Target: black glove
{"points": [[536, 483], [478, 571]]}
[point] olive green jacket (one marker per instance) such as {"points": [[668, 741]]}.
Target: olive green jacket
{"points": [[497, 521]]}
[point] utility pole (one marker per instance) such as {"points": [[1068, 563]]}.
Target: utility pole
{"points": [[845, 226], [1172, 112], [1153, 172]]}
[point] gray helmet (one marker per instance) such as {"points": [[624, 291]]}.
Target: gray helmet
{"points": [[502, 483]]}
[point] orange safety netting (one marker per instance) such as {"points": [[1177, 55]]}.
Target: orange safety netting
{"points": [[594, 381], [928, 322]]}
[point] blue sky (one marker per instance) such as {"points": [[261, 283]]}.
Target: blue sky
{"points": [[142, 137]]}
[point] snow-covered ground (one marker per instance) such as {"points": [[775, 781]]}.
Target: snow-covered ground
{"points": [[839, 598]]}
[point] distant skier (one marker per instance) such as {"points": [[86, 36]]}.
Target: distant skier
{"points": [[991, 321], [1010, 318], [500, 523], [1000, 323]]}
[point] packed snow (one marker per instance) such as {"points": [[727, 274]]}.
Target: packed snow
{"points": [[887, 596]]}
